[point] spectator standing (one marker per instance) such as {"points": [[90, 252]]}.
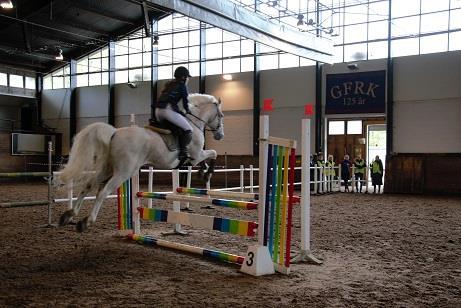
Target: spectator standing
{"points": [[359, 172], [345, 172], [377, 174]]}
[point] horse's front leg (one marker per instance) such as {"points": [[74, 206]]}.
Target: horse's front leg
{"points": [[203, 168], [203, 156]]}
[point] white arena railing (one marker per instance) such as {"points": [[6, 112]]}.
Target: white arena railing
{"points": [[320, 183]]}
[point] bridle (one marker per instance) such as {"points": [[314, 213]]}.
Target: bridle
{"points": [[218, 115]]}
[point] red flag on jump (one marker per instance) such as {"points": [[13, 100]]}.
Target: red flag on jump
{"points": [[309, 109], [267, 104]]}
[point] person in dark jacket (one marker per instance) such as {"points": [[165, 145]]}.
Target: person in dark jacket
{"points": [[377, 174], [345, 172], [166, 109]]}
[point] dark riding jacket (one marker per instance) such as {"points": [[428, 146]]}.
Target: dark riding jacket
{"points": [[173, 92]]}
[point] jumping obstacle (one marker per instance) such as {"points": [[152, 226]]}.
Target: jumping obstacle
{"points": [[21, 175], [276, 178], [226, 194], [212, 254], [219, 202]]}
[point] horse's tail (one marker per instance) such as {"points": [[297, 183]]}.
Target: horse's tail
{"points": [[88, 156]]}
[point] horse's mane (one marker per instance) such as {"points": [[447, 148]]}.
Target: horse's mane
{"points": [[199, 99]]}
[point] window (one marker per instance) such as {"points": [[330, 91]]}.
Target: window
{"points": [[377, 50], [47, 82], [16, 81], [434, 43], [336, 128], [3, 79], [30, 83], [405, 47], [455, 40], [354, 127]]}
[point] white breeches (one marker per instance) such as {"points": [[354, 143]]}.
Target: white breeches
{"points": [[168, 114]]}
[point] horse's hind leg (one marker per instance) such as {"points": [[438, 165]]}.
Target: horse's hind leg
{"points": [[114, 182], [67, 216]]}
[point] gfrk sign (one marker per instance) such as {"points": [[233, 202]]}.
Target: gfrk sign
{"points": [[356, 93]]}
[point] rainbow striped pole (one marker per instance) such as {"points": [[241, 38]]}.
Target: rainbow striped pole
{"points": [[216, 193], [125, 221], [212, 254], [228, 225], [244, 205]]}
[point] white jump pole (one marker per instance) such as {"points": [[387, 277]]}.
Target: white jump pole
{"points": [[242, 180], [339, 178], [177, 204], [150, 184], [188, 183], [305, 254], [70, 194], [367, 172], [315, 180], [251, 179], [353, 178]]}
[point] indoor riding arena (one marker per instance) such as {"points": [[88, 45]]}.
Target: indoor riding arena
{"points": [[236, 153]]}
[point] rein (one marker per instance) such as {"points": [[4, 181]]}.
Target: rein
{"points": [[210, 128]]}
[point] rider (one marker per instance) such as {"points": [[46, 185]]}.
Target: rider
{"points": [[166, 109]]}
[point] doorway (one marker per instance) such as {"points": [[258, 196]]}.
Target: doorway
{"points": [[376, 143]]}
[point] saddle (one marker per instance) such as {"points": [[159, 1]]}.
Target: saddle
{"points": [[167, 131]]}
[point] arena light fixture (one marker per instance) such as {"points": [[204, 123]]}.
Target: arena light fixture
{"points": [[59, 56], [155, 43], [6, 4], [227, 77], [300, 20]]}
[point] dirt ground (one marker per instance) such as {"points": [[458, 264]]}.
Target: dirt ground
{"points": [[378, 251]]}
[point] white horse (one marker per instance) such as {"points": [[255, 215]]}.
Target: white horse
{"points": [[103, 157]]}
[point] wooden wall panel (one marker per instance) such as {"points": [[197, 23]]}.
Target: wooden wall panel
{"points": [[423, 174], [442, 174], [404, 175]]}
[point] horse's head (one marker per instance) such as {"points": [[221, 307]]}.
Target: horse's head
{"points": [[216, 123], [210, 112]]}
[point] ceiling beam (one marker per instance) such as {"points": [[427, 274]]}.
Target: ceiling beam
{"points": [[78, 26], [232, 17], [103, 13], [20, 59], [145, 15], [26, 35], [61, 31], [58, 39], [18, 51]]}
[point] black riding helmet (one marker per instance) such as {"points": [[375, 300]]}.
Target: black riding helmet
{"points": [[180, 72]]}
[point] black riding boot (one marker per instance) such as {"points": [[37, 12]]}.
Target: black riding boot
{"points": [[184, 139]]}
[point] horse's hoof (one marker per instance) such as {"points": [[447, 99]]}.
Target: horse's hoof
{"points": [[82, 225], [66, 217]]}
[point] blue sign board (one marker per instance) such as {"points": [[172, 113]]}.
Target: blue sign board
{"points": [[356, 93]]}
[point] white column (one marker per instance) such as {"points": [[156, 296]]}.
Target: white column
{"points": [[263, 146], [305, 253]]}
